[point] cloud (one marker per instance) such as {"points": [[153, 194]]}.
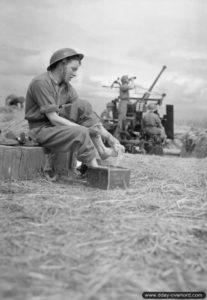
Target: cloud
{"points": [[118, 37], [91, 90], [189, 55], [188, 97]]}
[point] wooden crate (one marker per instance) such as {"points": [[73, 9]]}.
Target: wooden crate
{"points": [[19, 162], [109, 177]]}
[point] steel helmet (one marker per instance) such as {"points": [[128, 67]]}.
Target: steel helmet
{"points": [[61, 54], [152, 107], [124, 78]]}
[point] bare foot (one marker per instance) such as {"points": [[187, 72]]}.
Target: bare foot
{"points": [[93, 163], [119, 149]]}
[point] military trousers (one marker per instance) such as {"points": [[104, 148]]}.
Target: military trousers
{"points": [[61, 138], [156, 131], [122, 111]]}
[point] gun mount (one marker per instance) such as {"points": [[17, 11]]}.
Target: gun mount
{"points": [[130, 134]]}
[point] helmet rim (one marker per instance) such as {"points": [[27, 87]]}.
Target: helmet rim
{"points": [[62, 54]]}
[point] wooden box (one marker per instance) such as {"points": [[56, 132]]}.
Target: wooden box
{"points": [[109, 177], [19, 162]]}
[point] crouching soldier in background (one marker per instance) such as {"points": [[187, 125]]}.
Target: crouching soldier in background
{"points": [[151, 123], [61, 122]]}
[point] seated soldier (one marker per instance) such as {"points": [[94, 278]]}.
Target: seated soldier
{"points": [[61, 122], [151, 123]]}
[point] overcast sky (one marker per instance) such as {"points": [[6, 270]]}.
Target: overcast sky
{"points": [[117, 37]]}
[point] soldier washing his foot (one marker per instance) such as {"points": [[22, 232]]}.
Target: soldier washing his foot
{"points": [[61, 122]]}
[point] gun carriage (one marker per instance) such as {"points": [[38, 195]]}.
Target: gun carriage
{"points": [[131, 134]]}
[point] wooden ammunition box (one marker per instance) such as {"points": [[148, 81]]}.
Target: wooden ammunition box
{"points": [[109, 177], [19, 162]]}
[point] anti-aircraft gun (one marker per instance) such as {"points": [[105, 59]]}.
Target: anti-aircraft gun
{"points": [[131, 134]]}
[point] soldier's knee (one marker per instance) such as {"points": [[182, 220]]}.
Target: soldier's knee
{"points": [[84, 106], [81, 131], [84, 103]]}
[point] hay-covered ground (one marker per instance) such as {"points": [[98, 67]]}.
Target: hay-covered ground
{"points": [[60, 241]]}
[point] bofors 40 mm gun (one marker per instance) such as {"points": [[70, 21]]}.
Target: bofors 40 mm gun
{"points": [[131, 134]]}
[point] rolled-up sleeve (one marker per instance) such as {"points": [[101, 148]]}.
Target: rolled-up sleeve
{"points": [[49, 108], [43, 96]]}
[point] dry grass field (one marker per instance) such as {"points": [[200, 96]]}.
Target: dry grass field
{"points": [[66, 240], [70, 241]]}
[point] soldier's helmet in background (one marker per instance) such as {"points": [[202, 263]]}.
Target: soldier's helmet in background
{"points": [[152, 107]]}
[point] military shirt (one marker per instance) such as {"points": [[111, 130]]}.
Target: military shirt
{"points": [[124, 92], [44, 95], [150, 119]]}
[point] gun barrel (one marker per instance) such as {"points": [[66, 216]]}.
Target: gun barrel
{"points": [[132, 78], [147, 93], [156, 79]]}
